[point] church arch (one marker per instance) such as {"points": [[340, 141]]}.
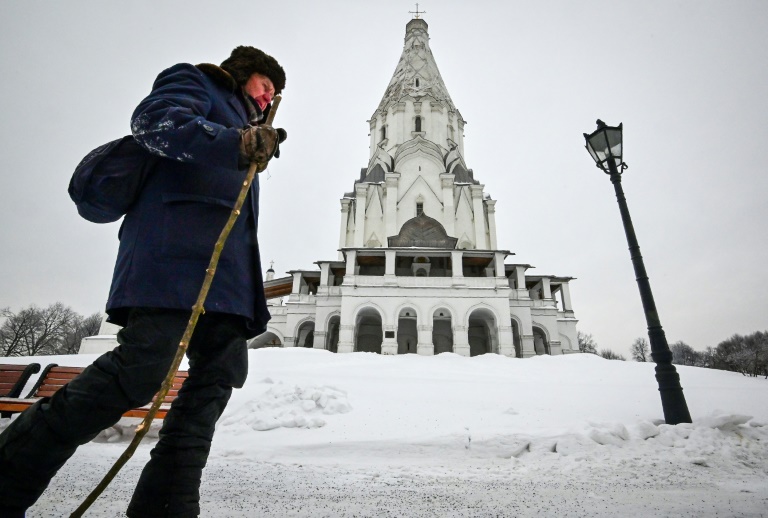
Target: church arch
{"points": [[383, 160], [482, 331], [445, 308], [407, 309], [366, 307], [369, 333], [305, 333], [517, 339], [442, 330], [542, 328], [490, 311], [419, 147], [540, 340], [269, 338], [407, 330], [332, 326]]}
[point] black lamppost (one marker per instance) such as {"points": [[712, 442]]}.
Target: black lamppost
{"points": [[605, 146]]}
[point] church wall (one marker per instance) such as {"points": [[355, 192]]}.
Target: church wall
{"points": [[460, 135], [374, 231], [348, 224], [373, 125], [567, 329], [296, 315], [464, 223], [422, 186], [521, 311], [500, 306], [325, 309], [437, 124], [389, 302], [546, 318]]}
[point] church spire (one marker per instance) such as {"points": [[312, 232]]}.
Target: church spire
{"points": [[416, 76], [417, 13]]}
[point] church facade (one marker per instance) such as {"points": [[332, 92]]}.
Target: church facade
{"points": [[419, 268]]}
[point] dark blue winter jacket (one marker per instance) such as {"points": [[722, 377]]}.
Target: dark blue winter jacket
{"points": [[190, 119]]}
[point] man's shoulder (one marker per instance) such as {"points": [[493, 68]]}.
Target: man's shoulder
{"points": [[210, 77], [202, 72], [218, 75], [181, 72], [180, 69]]}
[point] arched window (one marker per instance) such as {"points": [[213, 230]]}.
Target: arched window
{"points": [[383, 133], [418, 124], [417, 85], [419, 208]]}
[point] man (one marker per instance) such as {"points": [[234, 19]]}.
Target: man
{"points": [[204, 122]]}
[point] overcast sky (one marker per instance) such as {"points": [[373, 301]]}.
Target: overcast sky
{"points": [[687, 78]]}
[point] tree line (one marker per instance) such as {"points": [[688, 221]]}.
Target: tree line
{"points": [[747, 354], [34, 331]]}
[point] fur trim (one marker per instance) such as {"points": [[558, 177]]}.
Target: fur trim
{"points": [[219, 75], [246, 61]]}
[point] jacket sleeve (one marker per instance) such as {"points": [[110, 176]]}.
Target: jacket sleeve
{"points": [[171, 121]]}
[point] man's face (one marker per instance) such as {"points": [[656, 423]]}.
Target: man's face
{"points": [[261, 89]]}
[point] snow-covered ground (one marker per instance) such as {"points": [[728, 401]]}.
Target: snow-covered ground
{"points": [[319, 434]]}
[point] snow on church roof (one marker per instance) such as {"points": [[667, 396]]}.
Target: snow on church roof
{"points": [[416, 74]]}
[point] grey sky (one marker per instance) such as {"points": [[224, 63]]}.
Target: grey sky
{"points": [[687, 78]]}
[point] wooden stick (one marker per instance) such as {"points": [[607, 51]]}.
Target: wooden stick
{"points": [[197, 310]]}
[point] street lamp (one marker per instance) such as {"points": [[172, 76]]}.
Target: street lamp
{"points": [[605, 146]]}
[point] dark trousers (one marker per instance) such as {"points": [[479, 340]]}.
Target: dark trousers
{"points": [[40, 440]]}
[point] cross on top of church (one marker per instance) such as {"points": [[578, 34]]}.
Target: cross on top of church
{"points": [[417, 12], [271, 265]]}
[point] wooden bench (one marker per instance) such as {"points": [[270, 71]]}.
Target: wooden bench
{"points": [[54, 377], [13, 378]]}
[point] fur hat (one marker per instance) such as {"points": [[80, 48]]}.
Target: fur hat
{"points": [[246, 61]]}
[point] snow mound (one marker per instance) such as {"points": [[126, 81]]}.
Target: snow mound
{"points": [[723, 421], [290, 406], [732, 442], [124, 430], [615, 433]]}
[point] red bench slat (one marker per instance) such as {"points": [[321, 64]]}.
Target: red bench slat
{"points": [[56, 377]]}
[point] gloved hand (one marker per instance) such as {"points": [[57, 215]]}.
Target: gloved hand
{"points": [[260, 143], [281, 136]]}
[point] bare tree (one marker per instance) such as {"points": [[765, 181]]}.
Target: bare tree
{"points": [[16, 331], [745, 354], [710, 359], [40, 331], [610, 355], [586, 343], [640, 350], [683, 354], [79, 329]]}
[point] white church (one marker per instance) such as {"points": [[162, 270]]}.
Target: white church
{"points": [[419, 268]]}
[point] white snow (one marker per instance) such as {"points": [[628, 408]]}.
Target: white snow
{"points": [[319, 434]]}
